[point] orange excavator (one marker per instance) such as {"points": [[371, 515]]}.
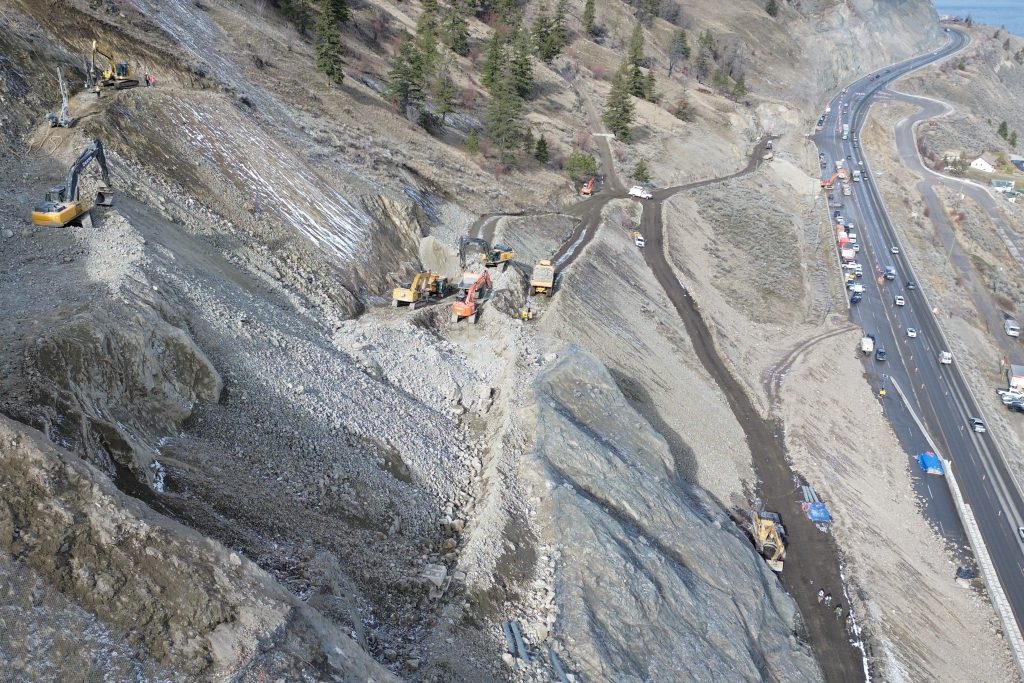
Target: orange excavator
{"points": [[467, 306], [588, 187], [830, 183]]}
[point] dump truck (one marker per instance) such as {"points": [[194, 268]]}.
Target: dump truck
{"points": [[867, 344], [542, 280], [769, 537]]}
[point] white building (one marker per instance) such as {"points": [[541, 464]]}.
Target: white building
{"points": [[985, 163]]}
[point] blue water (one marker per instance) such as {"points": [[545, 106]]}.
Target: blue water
{"points": [[1008, 13]]}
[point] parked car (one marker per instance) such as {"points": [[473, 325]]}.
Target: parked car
{"points": [[1016, 406], [977, 425], [911, 333], [899, 300], [856, 298]]}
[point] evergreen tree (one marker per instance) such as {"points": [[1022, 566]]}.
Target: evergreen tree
{"points": [[559, 27], [618, 110], [427, 36], [540, 151], [637, 82], [504, 117], [772, 8], [545, 37], [528, 141], [636, 46], [580, 165], [297, 12], [589, 15], [739, 88], [456, 32], [702, 67], [1013, 139], [1003, 131], [650, 89], [327, 43], [640, 171], [682, 110], [679, 50], [472, 143], [1006, 44], [521, 64], [337, 10], [444, 95], [405, 81], [493, 60]]}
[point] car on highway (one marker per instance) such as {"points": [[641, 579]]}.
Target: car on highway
{"points": [[1020, 529], [911, 333], [911, 285], [977, 425], [894, 249], [856, 298], [899, 300], [890, 272], [880, 354], [640, 192], [945, 357]]}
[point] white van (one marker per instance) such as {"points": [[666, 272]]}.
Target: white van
{"points": [[1011, 327]]}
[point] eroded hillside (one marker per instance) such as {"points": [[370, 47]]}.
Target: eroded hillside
{"points": [[209, 383]]}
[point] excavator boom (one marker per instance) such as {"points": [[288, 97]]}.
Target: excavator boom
{"points": [[119, 74], [467, 308], [63, 204]]}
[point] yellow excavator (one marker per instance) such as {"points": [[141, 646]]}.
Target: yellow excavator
{"points": [[769, 537], [62, 205], [423, 286], [119, 74]]}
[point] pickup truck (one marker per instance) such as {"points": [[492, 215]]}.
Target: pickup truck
{"points": [[638, 239], [640, 192]]}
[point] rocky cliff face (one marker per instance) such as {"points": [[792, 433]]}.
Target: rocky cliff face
{"points": [[196, 609], [653, 580]]}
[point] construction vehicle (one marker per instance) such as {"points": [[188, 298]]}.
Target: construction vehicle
{"points": [[830, 183], [769, 538], [423, 286], [119, 74], [588, 187], [542, 280], [499, 255], [64, 119], [473, 244], [62, 205], [468, 305]]}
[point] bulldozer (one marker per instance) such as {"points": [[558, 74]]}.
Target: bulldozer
{"points": [[118, 75], [62, 205], [423, 286], [468, 305], [769, 537]]}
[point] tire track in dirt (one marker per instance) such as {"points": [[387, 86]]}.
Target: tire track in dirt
{"points": [[776, 374], [812, 560]]}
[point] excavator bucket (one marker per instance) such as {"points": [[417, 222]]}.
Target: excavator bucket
{"points": [[105, 197]]}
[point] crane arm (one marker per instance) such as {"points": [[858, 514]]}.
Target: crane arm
{"points": [[94, 150]]}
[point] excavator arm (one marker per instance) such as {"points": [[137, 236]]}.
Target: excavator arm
{"points": [[93, 151], [62, 204]]}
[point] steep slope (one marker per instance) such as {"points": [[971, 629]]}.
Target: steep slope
{"points": [[402, 485]]}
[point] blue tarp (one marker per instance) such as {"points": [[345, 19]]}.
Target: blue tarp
{"points": [[818, 513], [930, 463]]}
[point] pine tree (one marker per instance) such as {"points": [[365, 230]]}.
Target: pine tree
{"points": [[493, 60], [297, 12], [545, 36], [650, 89], [444, 96], [337, 10], [589, 15], [521, 64], [640, 172], [1013, 139], [618, 110], [405, 81], [456, 31], [637, 82], [772, 8], [559, 27], [636, 46], [679, 50], [528, 141], [327, 43], [580, 165], [540, 151], [739, 88], [702, 66], [426, 37], [472, 143], [1003, 131], [504, 117]]}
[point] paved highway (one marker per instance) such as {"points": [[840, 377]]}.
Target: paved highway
{"points": [[937, 393]]}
